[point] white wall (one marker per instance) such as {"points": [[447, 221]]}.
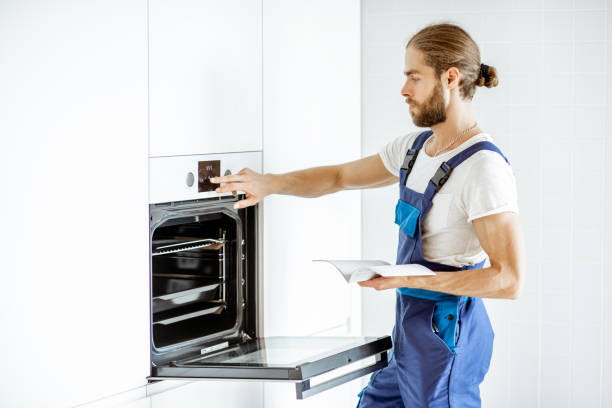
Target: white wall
{"points": [[551, 116]]}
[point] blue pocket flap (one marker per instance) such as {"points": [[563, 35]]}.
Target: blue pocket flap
{"points": [[406, 217]]}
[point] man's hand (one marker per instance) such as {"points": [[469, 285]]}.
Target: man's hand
{"points": [[255, 185], [391, 282]]}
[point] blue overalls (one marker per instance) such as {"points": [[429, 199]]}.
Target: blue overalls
{"points": [[442, 343]]}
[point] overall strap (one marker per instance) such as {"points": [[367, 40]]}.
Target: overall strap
{"points": [[446, 168], [413, 152]]}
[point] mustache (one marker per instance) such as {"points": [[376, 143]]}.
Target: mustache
{"points": [[410, 102]]}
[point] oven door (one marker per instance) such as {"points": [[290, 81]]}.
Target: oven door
{"points": [[315, 364]]}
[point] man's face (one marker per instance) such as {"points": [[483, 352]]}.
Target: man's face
{"points": [[423, 91]]}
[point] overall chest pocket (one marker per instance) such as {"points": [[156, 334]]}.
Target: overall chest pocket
{"points": [[406, 216]]}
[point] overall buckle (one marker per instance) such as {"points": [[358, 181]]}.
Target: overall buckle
{"points": [[442, 174], [409, 159]]}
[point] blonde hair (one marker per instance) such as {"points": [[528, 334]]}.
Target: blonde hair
{"points": [[447, 45]]}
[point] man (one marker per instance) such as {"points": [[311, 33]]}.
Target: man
{"points": [[442, 339]]}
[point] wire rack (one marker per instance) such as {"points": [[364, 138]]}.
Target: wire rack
{"points": [[207, 243]]}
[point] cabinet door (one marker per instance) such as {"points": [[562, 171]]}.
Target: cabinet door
{"points": [[203, 394], [205, 76], [74, 210], [317, 123]]}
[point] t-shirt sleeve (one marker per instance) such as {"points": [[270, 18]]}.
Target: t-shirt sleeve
{"points": [[490, 187], [394, 152]]}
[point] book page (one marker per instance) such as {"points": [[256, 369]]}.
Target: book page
{"points": [[354, 270], [360, 270]]}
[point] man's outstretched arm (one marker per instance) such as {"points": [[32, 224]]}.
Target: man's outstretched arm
{"points": [[368, 172]]}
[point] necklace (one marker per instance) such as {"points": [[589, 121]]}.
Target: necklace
{"points": [[455, 139]]}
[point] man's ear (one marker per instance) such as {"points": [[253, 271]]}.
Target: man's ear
{"points": [[452, 76]]}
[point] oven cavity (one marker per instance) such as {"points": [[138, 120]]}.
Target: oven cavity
{"points": [[196, 279]]}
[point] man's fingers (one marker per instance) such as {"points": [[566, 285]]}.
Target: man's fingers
{"points": [[240, 176], [245, 203], [227, 179], [379, 283], [228, 187]]}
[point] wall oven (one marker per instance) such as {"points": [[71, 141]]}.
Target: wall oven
{"points": [[206, 289]]}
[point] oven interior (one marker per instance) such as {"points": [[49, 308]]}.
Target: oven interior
{"points": [[202, 276]]}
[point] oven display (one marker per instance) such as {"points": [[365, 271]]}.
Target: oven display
{"points": [[206, 170]]}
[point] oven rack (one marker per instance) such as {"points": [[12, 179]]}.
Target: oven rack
{"points": [[205, 243], [172, 290], [188, 312], [188, 292]]}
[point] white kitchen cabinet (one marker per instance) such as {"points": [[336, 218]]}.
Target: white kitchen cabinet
{"points": [[311, 118], [186, 394], [74, 208], [213, 394], [75, 113], [205, 76]]}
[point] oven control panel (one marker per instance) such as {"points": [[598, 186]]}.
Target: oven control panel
{"points": [[206, 170], [176, 178]]}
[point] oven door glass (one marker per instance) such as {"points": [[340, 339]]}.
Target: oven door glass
{"points": [[303, 360]]}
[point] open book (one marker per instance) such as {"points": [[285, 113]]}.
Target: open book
{"points": [[360, 270]]}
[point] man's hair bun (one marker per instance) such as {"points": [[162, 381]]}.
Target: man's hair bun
{"points": [[487, 77]]}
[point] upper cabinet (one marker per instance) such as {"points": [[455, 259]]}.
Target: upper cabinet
{"points": [[205, 76]]}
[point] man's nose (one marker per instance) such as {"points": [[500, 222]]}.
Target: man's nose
{"points": [[405, 91]]}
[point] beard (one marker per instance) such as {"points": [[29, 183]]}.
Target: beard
{"points": [[432, 111]]}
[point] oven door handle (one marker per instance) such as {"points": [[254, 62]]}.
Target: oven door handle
{"points": [[303, 389]]}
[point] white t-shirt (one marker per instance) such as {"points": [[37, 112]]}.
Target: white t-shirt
{"points": [[483, 184]]}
